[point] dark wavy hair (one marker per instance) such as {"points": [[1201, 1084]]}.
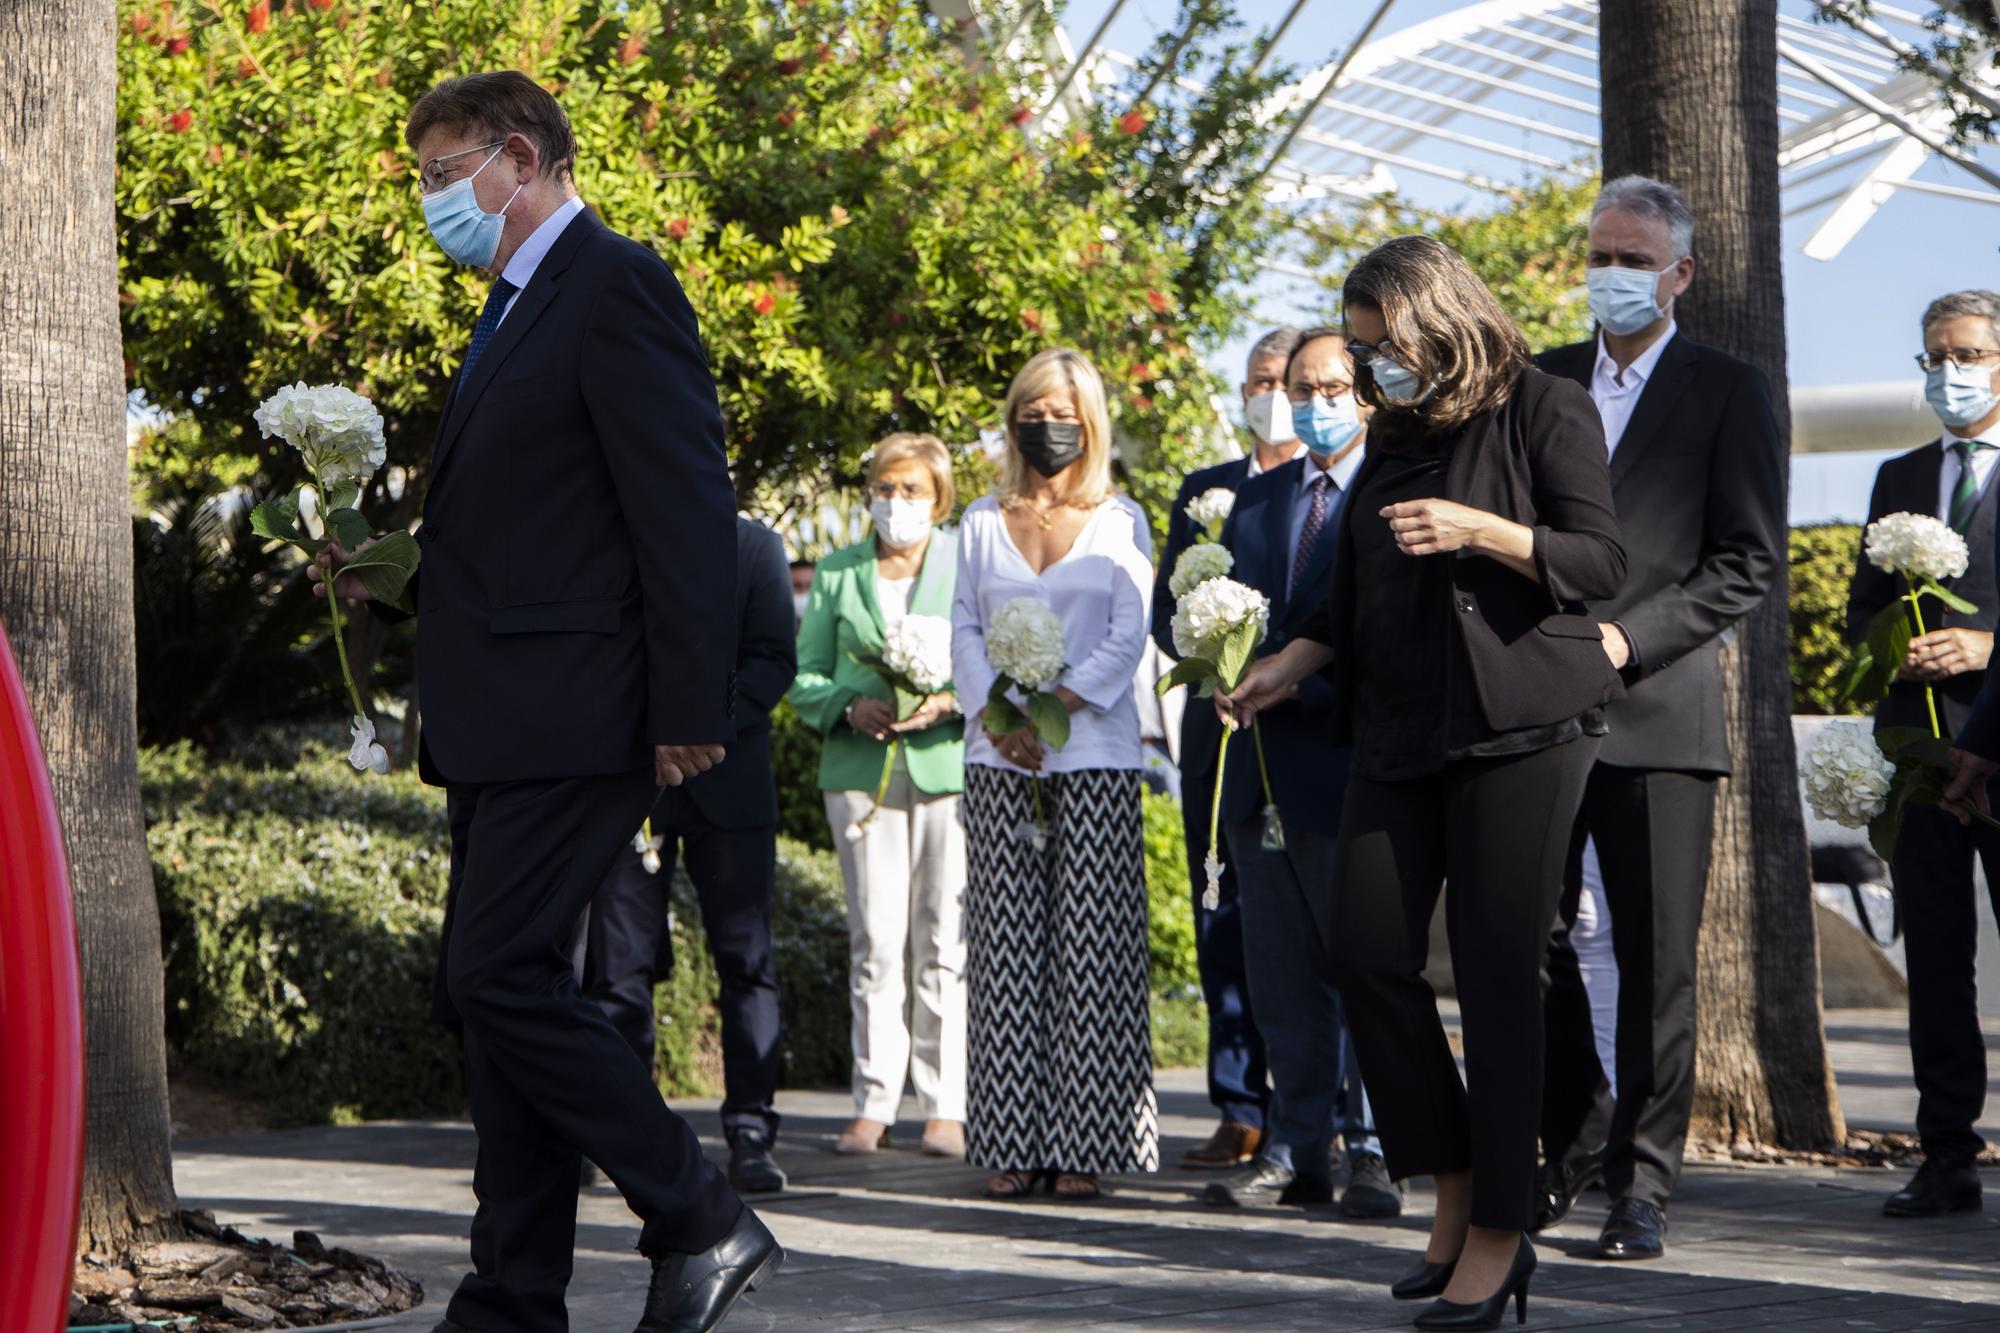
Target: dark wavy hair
{"points": [[1445, 326]]}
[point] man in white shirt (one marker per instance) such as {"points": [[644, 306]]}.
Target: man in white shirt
{"points": [[1932, 869]]}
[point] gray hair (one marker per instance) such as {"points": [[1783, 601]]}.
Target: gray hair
{"points": [[1644, 197], [1281, 343], [1973, 301]]}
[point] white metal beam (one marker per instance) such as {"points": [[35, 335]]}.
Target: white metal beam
{"points": [[1477, 109], [1866, 195], [1862, 97]]}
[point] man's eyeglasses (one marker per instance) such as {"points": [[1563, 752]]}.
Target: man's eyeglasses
{"points": [[1962, 357], [889, 490], [1301, 394], [435, 175]]}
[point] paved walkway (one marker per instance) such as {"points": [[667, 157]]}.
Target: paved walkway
{"points": [[897, 1241]]}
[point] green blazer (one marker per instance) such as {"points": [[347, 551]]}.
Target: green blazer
{"points": [[843, 621]]}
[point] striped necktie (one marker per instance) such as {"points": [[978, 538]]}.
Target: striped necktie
{"points": [[489, 320], [1965, 496], [1322, 485]]}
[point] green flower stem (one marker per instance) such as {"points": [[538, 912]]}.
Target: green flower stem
{"points": [[339, 634], [1930, 695], [1263, 769], [882, 787], [1215, 800], [1035, 783]]}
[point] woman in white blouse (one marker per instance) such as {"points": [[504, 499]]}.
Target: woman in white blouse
{"points": [[1060, 1061]]}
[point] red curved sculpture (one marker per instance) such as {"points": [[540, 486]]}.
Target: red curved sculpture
{"points": [[41, 1032]]}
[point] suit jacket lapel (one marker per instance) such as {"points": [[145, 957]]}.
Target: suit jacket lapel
{"points": [[1577, 361], [528, 306], [1663, 389], [864, 578]]}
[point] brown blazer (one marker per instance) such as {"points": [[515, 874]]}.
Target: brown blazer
{"points": [[1537, 654]]}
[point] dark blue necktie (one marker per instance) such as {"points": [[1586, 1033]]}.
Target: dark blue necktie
{"points": [[489, 320], [1309, 534]]}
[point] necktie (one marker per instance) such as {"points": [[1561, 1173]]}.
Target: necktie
{"points": [[1309, 534], [1965, 496], [489, 320]]}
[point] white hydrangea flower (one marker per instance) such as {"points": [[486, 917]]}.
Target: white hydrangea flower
{"points": [[1916, 546], [1208, 613], [1197, 565], [919, 650], [366, 754], [336, 430], [1847, 777], [1025, 643], [1211, 506]]}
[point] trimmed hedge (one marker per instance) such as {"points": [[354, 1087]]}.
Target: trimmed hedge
{"points": [[1822, 559]]}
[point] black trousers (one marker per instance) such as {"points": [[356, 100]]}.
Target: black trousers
{"points": [[630, 950], [1652, 830], [1932, 871], [548, 1077], [1493, 833], [1238, 1071]]}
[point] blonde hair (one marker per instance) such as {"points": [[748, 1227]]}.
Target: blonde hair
{"points": [[929, 450], [1061, 369], [1446, 327]]}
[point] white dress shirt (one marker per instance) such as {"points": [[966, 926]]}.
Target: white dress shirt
{"points": [[1617, 394], [1983, 461], [521, 268], [1102, 592]]}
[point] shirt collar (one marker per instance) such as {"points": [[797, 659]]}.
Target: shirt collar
{"points": [[1341, 472], [1641, 368], [1989, 436], [521, 268]]}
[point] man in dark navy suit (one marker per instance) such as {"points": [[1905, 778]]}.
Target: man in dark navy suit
{"points": [[724, 828], [1952, 478], [576, 635], [1282, 534], [1236, 1070]]}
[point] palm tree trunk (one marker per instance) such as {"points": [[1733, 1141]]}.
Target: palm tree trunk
{"points": [[1691, 98], [65, 575]]}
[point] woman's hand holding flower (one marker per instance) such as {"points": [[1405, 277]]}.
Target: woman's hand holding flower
{"points": [[932, 711], [872, 717], [1022, 748]]}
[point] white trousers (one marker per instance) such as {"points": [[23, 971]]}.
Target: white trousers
{"points": [[905, 880], [1591, 938]]}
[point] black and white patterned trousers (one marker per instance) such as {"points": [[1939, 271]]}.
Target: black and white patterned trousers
{"points": [[1060, 1066]]}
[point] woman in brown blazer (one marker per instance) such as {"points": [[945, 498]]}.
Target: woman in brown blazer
{"points": [[1467, 677]]}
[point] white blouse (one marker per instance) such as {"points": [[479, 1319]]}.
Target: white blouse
{"points": [[1101, 590]]}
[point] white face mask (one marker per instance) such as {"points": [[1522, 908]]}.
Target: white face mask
{"points": [[901, 523], [799, 600], [1269, 416]]}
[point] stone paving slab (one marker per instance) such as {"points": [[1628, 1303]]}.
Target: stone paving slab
{"points": [[897, 1241]]}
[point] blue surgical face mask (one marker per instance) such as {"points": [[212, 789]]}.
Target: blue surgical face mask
{"points": [[1327, 425], [1624, 300], [463, 230], [1400, 385], [1960, 395]]}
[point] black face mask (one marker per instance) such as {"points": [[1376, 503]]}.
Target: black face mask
{"points": [[1049, 446]]}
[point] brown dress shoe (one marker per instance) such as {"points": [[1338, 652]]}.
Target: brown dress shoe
{"points": [[1231, 1145]]}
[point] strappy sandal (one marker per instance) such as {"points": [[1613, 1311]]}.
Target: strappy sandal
{"points": [[1013, 1184], [1075, 1186]]}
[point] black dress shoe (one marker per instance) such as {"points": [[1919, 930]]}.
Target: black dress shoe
{"points": [[1635, 1230], [692, 1292], [1562, 1182], [1371, 1196], [1426, 1279], [1486, 1313], [1265, 1183], [1942, 1185], [752, 1169]]}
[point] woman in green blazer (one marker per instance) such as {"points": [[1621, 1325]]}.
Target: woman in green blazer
{"points": [[903, 860]]}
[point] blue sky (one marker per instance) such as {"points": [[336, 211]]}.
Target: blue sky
{"points": [[1850, 320]]}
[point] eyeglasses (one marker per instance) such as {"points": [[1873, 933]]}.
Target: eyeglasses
{"points": [[435, 176], [1302, 394], [1362, 353], [1962, 357], [909, 490]]}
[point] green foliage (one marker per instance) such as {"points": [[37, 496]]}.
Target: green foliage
{"points": [[1528, 249], [1963, 49], [1822, 558], [1170, 902], [795, 758], [871, 241], [300, 911]]}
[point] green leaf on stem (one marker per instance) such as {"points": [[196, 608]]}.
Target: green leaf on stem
{"points": [[273, 520], [343, 495], [907, 701], [385, 566], [348, 527], [1001, 714], [1884, 829], [1932, 588], [1189, 670], [1049, 718], [1234, 659], [1888, 646]]}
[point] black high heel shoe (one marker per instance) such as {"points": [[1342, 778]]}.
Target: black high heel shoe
{"points": [[1427, 1279], [1445, 1314]]}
